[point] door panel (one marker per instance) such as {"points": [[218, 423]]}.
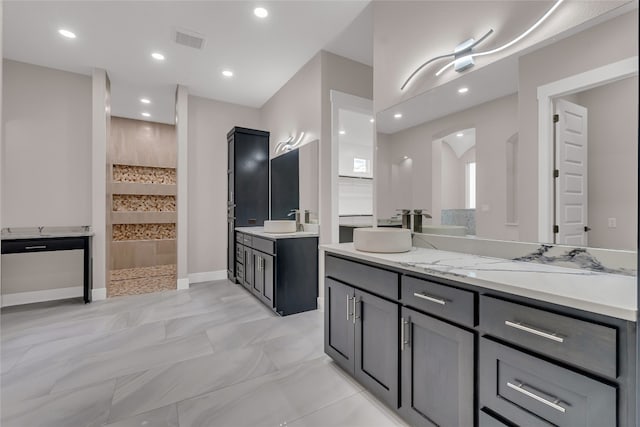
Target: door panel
{"points": [[571, 184], [437, 372], [267, 284], [377, 345], [248, 268], [338, 323]]}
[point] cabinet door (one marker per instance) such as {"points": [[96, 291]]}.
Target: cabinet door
{"points": [[377, 345], [338, 323], [268, 274], [437, 372], [248, 268], [258, 274]]}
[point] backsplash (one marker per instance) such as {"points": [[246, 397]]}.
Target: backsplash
{"points": [[593, 259], [462, 217]]}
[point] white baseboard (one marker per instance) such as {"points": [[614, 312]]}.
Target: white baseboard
{"points": [[39, 296], [320, 302], [183, 284], [98, 294], [207, 276]]}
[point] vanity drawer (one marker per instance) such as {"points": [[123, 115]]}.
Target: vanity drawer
{"points": [[486, 420], [239, 253], [239, 237], [449, 303], [531, 392], [372, 279], [42, 245], [247, 239], [577, 342], [263, 245]]}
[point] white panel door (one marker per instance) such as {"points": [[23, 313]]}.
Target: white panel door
{"points": [[571, 183]]}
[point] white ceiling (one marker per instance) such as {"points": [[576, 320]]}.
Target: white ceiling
{"points": [[120, 36], [493, 81], [461, 144]]}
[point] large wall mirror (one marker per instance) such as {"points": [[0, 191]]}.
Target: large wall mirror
{"points": [[541, 145]]}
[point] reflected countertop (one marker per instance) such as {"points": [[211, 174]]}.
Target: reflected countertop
{"points": [[603, 293]]}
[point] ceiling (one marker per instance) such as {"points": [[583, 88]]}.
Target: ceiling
{"points": [[120, 36], [462, 143], [492, 81]]}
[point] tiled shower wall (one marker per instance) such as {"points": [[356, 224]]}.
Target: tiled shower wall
{"points": [[142, 207]]}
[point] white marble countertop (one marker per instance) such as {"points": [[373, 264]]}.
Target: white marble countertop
{"points": [[603, 293], [44, 232], [259, 231]]}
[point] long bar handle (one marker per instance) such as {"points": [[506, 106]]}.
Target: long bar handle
{"points": [[523, 327], [520, 389], [355, 309], [348, 308], [36, 247], [404, 338], [430, 298]]}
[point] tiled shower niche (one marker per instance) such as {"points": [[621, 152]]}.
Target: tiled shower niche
{"points": [[142, 207]]}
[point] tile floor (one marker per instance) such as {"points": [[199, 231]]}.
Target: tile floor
{"points": [[208, 356]]}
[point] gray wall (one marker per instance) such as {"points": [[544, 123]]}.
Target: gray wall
{"points": [[410, 183], [613, 162], [46, 161], [209, 122], [584, 51]]}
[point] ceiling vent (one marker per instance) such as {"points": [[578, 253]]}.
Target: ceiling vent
{"points": [[189, 38]]}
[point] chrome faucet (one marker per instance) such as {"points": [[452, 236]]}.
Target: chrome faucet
{"points": [[406, 218], [417, 219], [296, 212]]}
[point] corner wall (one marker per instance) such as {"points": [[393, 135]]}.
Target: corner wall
{"points": [[209, 122]]}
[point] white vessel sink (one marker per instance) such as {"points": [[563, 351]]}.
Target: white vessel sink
{"points": [[382, 240], [449, 230], [280, 226]]}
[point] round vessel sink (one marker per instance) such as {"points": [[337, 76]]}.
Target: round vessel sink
{"points": [[279, 226], [449, 230], [382, 240]]}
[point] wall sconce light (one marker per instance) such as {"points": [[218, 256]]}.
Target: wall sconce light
{"points": [[463, 54], [289, 144]]}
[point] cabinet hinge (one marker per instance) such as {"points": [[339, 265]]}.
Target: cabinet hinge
{"points": [[556, 229], [556, 118], [556, 173]]}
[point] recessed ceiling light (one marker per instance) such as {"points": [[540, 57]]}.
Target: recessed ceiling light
{"points": [[146, 114], [66, 33], [460, 135], [397, 116], [145, 101], [227, 73], [157, 56], [406, 157], [463, 90], [341, 132], [371, 120], [261, 12]]}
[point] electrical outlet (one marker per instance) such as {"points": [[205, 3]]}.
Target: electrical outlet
{"points": [[612, 223]]}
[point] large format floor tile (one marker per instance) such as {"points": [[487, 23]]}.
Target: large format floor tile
{"points": [[212, 355]]}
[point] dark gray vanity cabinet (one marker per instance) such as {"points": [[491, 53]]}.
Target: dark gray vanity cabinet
{"points": [[437, 368], [281, 272], [362, 337], [471, 356]]}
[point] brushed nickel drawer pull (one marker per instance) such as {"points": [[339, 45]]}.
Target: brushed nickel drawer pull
{"points": [[348, 308], [520, 388], [523, 327], [428, 298], [36, 247]]}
